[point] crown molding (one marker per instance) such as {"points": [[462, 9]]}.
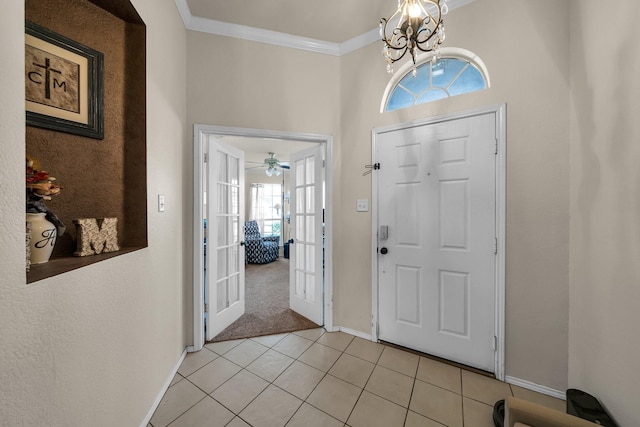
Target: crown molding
{"points": [[212, 26], [358, 42]]}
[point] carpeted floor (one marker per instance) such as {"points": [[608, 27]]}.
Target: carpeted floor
{"points": [[267, 309]]}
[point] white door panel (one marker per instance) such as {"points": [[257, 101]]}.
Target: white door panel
{"points": [[437, 195], [225, 226], [306, 268]]}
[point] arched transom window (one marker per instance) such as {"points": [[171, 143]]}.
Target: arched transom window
{"points": [[456, 71]]}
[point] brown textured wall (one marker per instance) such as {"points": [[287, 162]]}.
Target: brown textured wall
{"points": [[101, 178]]}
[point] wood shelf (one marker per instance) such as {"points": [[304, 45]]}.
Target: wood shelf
{"points": [[61, 265]]}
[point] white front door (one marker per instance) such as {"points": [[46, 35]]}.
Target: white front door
{"points": [[225, 232], [437, 239], [306, 263]]}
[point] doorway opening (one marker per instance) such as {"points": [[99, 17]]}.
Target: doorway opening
{"points": [[267, 239], [274, 219]]}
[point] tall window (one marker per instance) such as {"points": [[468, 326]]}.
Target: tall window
{"points": [[456, 71], [266, 208]]}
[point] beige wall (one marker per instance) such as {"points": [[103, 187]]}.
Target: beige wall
{"points": [[234, 82], [528, 63], [604, 349], [94, 346]]}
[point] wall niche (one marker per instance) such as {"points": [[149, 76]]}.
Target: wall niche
{"points": [[100, 177]]}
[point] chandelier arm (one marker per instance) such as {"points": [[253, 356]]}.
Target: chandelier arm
{"points": [[430, 35], [397, 34], [386, 21], [401, 43], [399, 57], [435, 4], [435, 46]]}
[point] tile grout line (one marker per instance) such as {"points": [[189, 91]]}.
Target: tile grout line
{"points": [[365, 384], [316, 386], [321, 379], [188, 409], [415, 378]]}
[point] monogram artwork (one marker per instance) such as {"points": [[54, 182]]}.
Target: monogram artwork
{"points": [[52, 80], [95, 239], [64, 82]]}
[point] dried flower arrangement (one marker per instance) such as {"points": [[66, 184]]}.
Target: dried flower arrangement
{"points": [[40, 186]]}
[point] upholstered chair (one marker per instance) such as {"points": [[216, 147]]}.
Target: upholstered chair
{"points": [[259, 249]]}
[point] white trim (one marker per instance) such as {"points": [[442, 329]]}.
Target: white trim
{"points": [[200, 135], [259, 35], [356, 333], [212, 26], [358, 42], [165, 387], [443, 52], [536, 387], [501, 227], [199, 140], [500, 112], [374, 240], [185, 12]]}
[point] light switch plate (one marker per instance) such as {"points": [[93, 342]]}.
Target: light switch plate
{"points": [[362, 205]]}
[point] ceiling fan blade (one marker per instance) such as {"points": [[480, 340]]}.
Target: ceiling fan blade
{"points": [[254, 167]]}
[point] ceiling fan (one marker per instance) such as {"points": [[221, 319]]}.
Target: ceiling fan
{"points": [[272, 164]]}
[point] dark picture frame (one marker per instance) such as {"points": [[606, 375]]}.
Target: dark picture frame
{"points": [[64, 83]]}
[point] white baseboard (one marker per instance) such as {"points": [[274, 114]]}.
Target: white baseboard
{"points": [[355, 333], [164, 389], [536, 387]]}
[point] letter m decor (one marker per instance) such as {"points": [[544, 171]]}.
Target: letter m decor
{"points": [[95, 239]]}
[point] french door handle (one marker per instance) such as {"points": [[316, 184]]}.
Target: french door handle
{"points": [[241, 242]]}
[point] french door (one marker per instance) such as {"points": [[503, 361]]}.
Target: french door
{"points": [[306, 253], [225, 233]]}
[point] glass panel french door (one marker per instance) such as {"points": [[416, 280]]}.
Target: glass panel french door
{"points": [[225, 214], [306, 288]]}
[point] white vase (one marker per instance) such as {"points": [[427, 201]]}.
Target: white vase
{"points": [[43, 238]]}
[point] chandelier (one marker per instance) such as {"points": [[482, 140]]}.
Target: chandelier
{"points": [[419, 28]]}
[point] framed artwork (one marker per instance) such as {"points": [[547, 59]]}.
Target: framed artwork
{"points": [[63, 83]]}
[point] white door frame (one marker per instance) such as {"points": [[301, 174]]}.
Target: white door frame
{"points": [[200, 134], [500, 112]]}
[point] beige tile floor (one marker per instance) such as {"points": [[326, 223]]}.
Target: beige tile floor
{"points": [[315, 378]]}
